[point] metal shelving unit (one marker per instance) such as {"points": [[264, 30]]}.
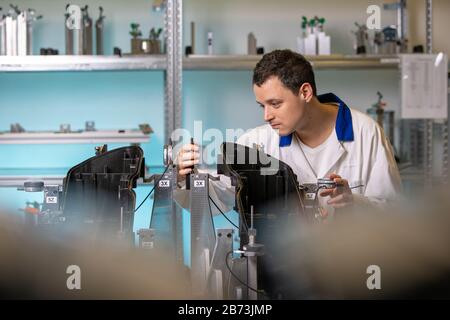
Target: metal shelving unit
{"points": [[81, 63], [248, 62], [104, 136], [50, 176], [17, 181], [170, 63], [173, 75], [194, 62]]}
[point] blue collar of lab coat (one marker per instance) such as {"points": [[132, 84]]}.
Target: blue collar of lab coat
{"points": [[344, 126]]}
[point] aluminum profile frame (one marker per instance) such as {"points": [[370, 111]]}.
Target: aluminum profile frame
{"points": [[174, 70]]}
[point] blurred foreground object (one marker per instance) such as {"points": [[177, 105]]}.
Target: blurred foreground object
{"points": [[34, 266], [410, 247]]}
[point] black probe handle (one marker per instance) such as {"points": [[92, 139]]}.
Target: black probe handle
{"points": [[188, 177]]}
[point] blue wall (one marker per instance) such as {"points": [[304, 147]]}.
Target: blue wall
{"points": [[43, 101]]}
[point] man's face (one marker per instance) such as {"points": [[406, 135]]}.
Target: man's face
{"points": [[283, 110]]}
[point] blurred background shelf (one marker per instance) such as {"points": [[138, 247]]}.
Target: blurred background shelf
{"points": [[81, 63], [193, 62], [248, 62], [107, 136], [16, 177]]}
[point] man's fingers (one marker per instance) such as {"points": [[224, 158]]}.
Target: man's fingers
{"points": [[336, 199], [342, 198], [331, 192], [184, 172], [187, 157], [334, 176], [190, 147], [341, 205], [190, 155], [341, 182], [326, 192], [188, 163]]}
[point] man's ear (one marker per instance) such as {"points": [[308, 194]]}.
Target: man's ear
{"points": [[306, 92]]}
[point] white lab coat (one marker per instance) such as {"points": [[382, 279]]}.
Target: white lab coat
{"points": [[367, 160]]}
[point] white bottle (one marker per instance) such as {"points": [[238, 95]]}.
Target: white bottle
{"points": [[22, 34], [311, 45], [310, 42], [9, 32], [210, 43], [323, 44]]}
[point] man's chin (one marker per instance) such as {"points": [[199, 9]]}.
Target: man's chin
{"points": [[281, 132]]}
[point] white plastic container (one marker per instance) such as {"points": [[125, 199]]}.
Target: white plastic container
{"points": [[323, 44]]}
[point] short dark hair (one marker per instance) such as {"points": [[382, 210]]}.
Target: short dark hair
{"points": [[291, 68]]}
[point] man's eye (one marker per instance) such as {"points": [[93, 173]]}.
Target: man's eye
{"points": [[275, 104]]}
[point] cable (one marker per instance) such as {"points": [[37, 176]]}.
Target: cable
{"points": [[239, 204], [360, 186], [153, 189], [242, 282], [210, 213], [221, 212], [241, 207]]}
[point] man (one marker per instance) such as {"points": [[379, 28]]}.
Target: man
{"points": [[317, 135]]}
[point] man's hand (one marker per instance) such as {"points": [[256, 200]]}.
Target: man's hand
{"points": [[187, 157], [341, 196]]}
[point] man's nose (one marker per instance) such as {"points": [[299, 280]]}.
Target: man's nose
{"points": [[268, 115]]}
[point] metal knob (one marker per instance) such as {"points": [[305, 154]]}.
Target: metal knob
{"points": [[33, 186]]}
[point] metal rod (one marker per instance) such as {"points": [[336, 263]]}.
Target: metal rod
{"points": [[252, 277], [121, 219], [429, 26], [173, 76], [402, 30], [445, 152], [251, 217], [428, 134], [193, 36]]}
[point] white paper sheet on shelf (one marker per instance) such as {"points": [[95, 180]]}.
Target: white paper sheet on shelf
{"points": [[424, 82]]}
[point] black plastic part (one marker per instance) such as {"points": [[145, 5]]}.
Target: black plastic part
{"points": [[418, 49], [188, 177], [96, 190], [277, 200], [361, 50], [117, 51]]}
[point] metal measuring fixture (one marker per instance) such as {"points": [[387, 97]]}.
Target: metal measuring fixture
{"points": [[168, 154], [51, 211], [87, 37], [69, 33], [325, 183], [99, 28], [218, 276], [194, 170], [361, 38], [210, 249], [202, 232], [252, 251], [385, 118], [90, 126], [312, 194], [165, 230], [65, 128]]}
